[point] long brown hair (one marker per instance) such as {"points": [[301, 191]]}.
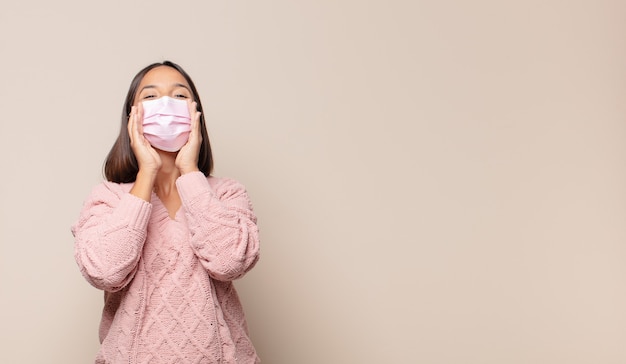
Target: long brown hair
{"points": [[121, 165]]}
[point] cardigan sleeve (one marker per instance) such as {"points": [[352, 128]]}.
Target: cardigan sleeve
{"points": [[109, 236], [223, 229]]}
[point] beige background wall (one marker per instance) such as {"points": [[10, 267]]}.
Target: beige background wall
{"points": [[436, 181]]}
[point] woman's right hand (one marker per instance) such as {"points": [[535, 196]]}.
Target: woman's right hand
{"points": [[147, 157]]}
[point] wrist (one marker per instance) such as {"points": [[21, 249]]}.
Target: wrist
{"points": [[147, 173], [190, 169], [144, 183]]}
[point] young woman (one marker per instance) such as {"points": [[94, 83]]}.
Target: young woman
{"points": [[163, 238]]}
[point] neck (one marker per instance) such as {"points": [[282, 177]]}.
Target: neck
{"points": [[165, 181]]}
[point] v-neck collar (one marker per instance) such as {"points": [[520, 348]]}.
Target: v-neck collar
{"points": [[161, 212]]}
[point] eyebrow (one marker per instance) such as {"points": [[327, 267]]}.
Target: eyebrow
{"points": [[176, 85]]}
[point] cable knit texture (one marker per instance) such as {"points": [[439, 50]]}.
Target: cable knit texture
{"points": [[168, 291]]}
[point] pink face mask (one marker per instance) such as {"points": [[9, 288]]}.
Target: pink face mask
{"points": [[166, 123]]}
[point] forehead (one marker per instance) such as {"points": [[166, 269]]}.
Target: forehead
{"points": [[163, 76]]}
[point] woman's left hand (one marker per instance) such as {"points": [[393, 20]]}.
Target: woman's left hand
{"points": [[187, 158]]}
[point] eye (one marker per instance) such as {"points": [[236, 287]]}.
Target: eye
{"points": [[181, 96], [149, 97]]}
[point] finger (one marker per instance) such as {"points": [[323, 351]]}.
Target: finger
{"points": [[131, 125], [193, 109], [194, 132], [196, 125], [194, 115], [139, 119]]}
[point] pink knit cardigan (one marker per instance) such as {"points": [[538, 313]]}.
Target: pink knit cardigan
{"points": [[167, 283]]}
